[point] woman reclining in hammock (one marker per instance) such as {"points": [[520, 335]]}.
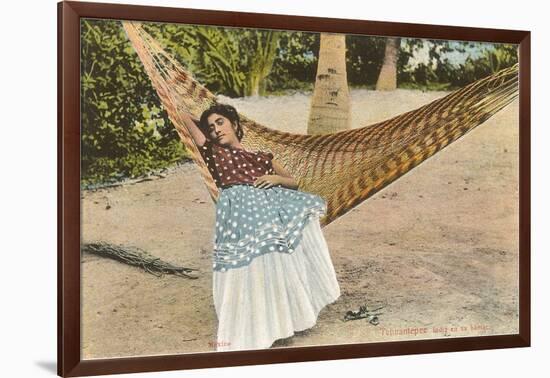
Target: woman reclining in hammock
{"points": [[272, 271]]}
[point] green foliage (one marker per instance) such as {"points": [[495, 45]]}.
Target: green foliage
{"points": [[125, 133], [409, 47], [295, 64], [364, 57], [441, 73], [491, 61], [231, 61]]}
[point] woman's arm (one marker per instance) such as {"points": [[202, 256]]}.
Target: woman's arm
{"points": [[196, 133], [281, 177]]}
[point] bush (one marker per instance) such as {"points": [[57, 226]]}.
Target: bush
{"points": [[125, 132]]}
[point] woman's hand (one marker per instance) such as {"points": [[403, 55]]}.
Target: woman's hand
{"points": [[267, 181], [282, 177], [285, 178]]}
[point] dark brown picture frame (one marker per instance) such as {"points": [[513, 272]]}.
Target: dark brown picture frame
{"points": [[69, 207]]}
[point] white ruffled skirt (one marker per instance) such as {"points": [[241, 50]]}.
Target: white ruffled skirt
{"points": [[274, 295]]}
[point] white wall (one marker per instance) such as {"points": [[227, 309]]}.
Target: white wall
{"points": [[28, 211]]}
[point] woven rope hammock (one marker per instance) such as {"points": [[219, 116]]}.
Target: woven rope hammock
{"points": [[346, 167]]}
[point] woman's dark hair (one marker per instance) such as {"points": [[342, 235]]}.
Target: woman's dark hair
{"points": [[225, 110]]}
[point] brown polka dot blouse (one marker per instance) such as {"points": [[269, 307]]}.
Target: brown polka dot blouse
{"points": [[230, 166]]}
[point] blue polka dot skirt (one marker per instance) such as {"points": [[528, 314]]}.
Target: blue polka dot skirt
{"points": [[252, 221], [273, 272]]}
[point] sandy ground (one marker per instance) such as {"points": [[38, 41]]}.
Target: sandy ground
{"points": [[438, 247]]}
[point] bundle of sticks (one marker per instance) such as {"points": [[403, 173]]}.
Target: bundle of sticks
{"points": [[137, 257]]}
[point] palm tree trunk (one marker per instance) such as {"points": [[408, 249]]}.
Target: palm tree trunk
{"points": [[330, 103], [387, 79]]}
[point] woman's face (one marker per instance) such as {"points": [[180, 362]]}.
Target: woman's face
{"points": [[221, 130]]}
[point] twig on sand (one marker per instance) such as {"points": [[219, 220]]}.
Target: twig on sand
{"points": [[137, 257], [364, 313]]}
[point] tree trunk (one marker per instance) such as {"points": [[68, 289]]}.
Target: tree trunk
{"points": [[387, 79], [330, 103]]}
